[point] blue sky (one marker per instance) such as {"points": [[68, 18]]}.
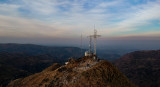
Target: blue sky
{"points": [[67, 19]]}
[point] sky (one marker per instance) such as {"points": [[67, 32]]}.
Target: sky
{"points": [[60, 22]]}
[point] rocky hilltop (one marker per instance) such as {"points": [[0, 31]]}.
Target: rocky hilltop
{"points": [[82, 72]]}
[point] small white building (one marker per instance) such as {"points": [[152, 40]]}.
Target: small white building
{"points": [[88, 54], [66, 63]]}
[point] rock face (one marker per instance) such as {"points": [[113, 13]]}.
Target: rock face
{"points": [[83, 72], [141, 67]]}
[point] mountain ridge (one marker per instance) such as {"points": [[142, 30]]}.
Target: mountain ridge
{"points": [[82, 72], [141, 67]]}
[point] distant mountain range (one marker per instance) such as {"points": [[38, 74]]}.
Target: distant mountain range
{"points": [[141, 67], [20, 60], [61, 52], [83, 72], [28, 63], [34, 50]]}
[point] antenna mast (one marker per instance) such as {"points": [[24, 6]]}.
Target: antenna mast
{"points": [[90, 44], [81, 44], [95, 36]]}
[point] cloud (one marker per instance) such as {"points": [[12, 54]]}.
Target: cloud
{"points": [[135, 18], [19, 27], [9, 9], [142, 15], [69, 18], [41, 7]]}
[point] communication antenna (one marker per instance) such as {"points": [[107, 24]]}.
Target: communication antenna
{"points": [[81, 44], [95, 36], [90, 44]]}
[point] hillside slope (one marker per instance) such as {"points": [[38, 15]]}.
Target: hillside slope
{"points": [[28, 63], [8, 73], [83, 72], [18, 65], [141, 67]]}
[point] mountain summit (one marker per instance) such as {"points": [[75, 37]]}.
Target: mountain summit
{"points": [[82, 72]]}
